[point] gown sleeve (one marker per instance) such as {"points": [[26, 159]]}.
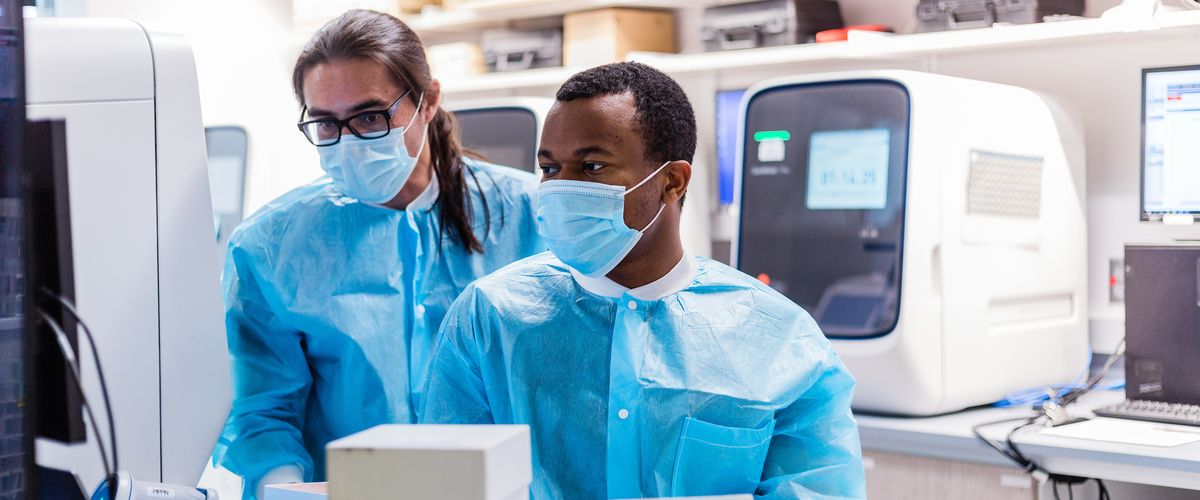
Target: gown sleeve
{"points": [[455, 390], [815, 452], [271, 382]]}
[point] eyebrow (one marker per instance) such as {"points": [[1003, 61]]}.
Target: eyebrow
{"points": [[579, 153], [362, 106]]}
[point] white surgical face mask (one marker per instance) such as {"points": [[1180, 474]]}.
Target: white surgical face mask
{"points": [[583, 223], [372, 170]]}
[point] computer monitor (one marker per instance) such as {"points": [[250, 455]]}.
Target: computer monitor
{"points": [[227, 148], [505, 131], [729, 107], [16, 440], [37, 396], [506, 136], [1170, 149]]}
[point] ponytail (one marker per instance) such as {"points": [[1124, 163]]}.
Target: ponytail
{"points": [[454, 198]]}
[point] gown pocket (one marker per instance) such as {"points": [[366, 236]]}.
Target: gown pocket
{"points": [[717, 460]]}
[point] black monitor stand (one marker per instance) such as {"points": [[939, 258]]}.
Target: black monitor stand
{"points": [[49, 274]]}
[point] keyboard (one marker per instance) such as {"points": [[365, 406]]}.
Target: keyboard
{"points": [[1153, 411]]}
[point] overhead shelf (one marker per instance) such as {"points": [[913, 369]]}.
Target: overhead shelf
{"points": [[877, 46], [511, 80], [865, 46], [484, 13]]}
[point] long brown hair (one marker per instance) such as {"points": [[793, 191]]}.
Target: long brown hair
{"points": [[391, 43]]}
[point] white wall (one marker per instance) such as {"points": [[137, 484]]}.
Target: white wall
{"points": [[244, 54], [245, 50]]}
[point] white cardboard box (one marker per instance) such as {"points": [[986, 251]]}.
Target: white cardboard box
{"points": [[721, 497], [447, 462], [299, 491], [456, 60]]}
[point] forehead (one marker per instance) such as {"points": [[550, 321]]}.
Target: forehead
{"points": [[609, 121], [338, 83]]}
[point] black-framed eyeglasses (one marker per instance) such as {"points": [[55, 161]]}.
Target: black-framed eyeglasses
{"points": [[366, 125]]}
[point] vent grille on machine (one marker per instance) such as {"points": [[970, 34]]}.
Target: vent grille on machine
{"points": [[1005, 185]]}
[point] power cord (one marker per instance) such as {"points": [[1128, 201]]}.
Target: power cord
{"points": [[1036, 396], [64, 345], [112, 426], [1009, 449], [1074, 395], [1053, 412]]}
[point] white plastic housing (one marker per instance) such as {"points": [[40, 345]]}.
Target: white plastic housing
{"points": [[988, 305], [146, 276]]}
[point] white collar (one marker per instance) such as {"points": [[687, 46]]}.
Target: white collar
{"points": [[422, 201], [427, 197], [676, 280]]}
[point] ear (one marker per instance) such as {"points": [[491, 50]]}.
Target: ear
{"points": [[433, 101], [679, 176]]}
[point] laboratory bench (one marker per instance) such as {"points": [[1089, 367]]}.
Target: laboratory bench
{"points": [[910, 457]]}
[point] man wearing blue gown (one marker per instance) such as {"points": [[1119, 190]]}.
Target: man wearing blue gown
{"points": [[642, 371]]}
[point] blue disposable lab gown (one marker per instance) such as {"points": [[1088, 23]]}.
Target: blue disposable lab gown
{"points": [[724, 387], [332, 308]]}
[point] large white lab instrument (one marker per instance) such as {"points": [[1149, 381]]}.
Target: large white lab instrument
{"points": [[146, 277], [933, 226]]}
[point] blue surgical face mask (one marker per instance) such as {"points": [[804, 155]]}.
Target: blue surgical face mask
{"points": [[372, 170], [583, 223]]}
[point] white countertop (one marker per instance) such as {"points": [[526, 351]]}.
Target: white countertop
{"points": [[949, 437]]}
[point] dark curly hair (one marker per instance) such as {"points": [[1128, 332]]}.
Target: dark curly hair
{"points": [[665, 118]]}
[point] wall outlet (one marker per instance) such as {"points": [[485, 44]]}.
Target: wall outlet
{"points": [[1116, 281]]}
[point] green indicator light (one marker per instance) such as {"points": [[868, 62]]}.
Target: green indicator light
{"points": [[772, 135]]}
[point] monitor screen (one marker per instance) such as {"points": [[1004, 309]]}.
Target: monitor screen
{"points": [[1170, 149], [729, 107], [848, 169]]}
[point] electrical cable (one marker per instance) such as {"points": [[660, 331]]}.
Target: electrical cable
{"points": [[1031, 397], [1013, 446], [64, 345], [1118, 353], [1019, 460], [112, 426], [1009, 449]]}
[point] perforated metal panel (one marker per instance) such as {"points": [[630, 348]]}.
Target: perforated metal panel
{"points": [[1005, 185]]}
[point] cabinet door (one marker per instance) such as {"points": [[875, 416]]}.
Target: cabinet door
{"points": [[902, 477]]}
